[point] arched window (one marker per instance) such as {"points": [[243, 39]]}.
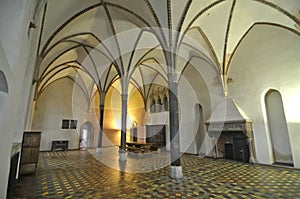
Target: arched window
{"points": [[152, 106], [166, 103], [159, 105], [199, 126]]}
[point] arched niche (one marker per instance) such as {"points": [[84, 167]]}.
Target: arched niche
{"points": [[278, 128], [199, 125], [3, 83]]}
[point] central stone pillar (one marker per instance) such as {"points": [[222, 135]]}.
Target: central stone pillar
{"points": [[176, 169], [122, 149], [101, 114], [101, 119]]}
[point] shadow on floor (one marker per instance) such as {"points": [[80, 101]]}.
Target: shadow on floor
{"points": [[24, 188]]}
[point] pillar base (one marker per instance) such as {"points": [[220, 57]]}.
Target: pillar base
{"points": [[98, 150], [123, 157], [176, 172]]}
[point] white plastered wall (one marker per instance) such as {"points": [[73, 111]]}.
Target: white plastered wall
{"points": [[62, 99], [274, 64], [16, 48], [6, 133], [198, 85]]}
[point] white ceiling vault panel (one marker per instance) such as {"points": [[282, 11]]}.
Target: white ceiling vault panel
{"points": [[109, 77], [214, 23], [271, 13], [62, 58], [59, 11], [101, 24], [160, 9], [55, 53], [178, 12], [78, 24], [86, 61], [196, 39], [242, 20], [58, 75], [272, 40], [113, 37], [135, 7], [137, 76]]}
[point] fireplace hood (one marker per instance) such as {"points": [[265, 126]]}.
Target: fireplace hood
{"points": [[228, 111], [229, 117]]}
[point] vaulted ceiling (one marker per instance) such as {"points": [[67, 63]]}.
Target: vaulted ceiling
{"points": [[96, 42]]}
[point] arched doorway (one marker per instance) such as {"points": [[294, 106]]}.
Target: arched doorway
{"points": [[278, 128], [86, 136]]}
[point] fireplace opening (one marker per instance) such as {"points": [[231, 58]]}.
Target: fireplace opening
{"points": [[234, 146]]}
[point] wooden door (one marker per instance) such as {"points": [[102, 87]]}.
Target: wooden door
{"points": [[30, 152]]}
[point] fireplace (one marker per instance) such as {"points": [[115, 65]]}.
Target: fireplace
{"points": [[232, 135]]}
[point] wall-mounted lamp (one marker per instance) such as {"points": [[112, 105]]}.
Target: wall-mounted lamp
{"points": [[32, 25]]}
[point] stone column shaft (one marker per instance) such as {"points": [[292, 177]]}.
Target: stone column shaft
{"points": [[174, 123], [101, 114], [123, 125]]}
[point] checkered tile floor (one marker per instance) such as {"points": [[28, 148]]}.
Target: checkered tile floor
{"points": [[82, 174]]}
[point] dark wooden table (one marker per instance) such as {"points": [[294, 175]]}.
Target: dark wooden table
{"points": [[138, 147]]}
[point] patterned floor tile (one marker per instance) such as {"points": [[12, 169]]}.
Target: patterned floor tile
{"points": [[82, 174]]}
